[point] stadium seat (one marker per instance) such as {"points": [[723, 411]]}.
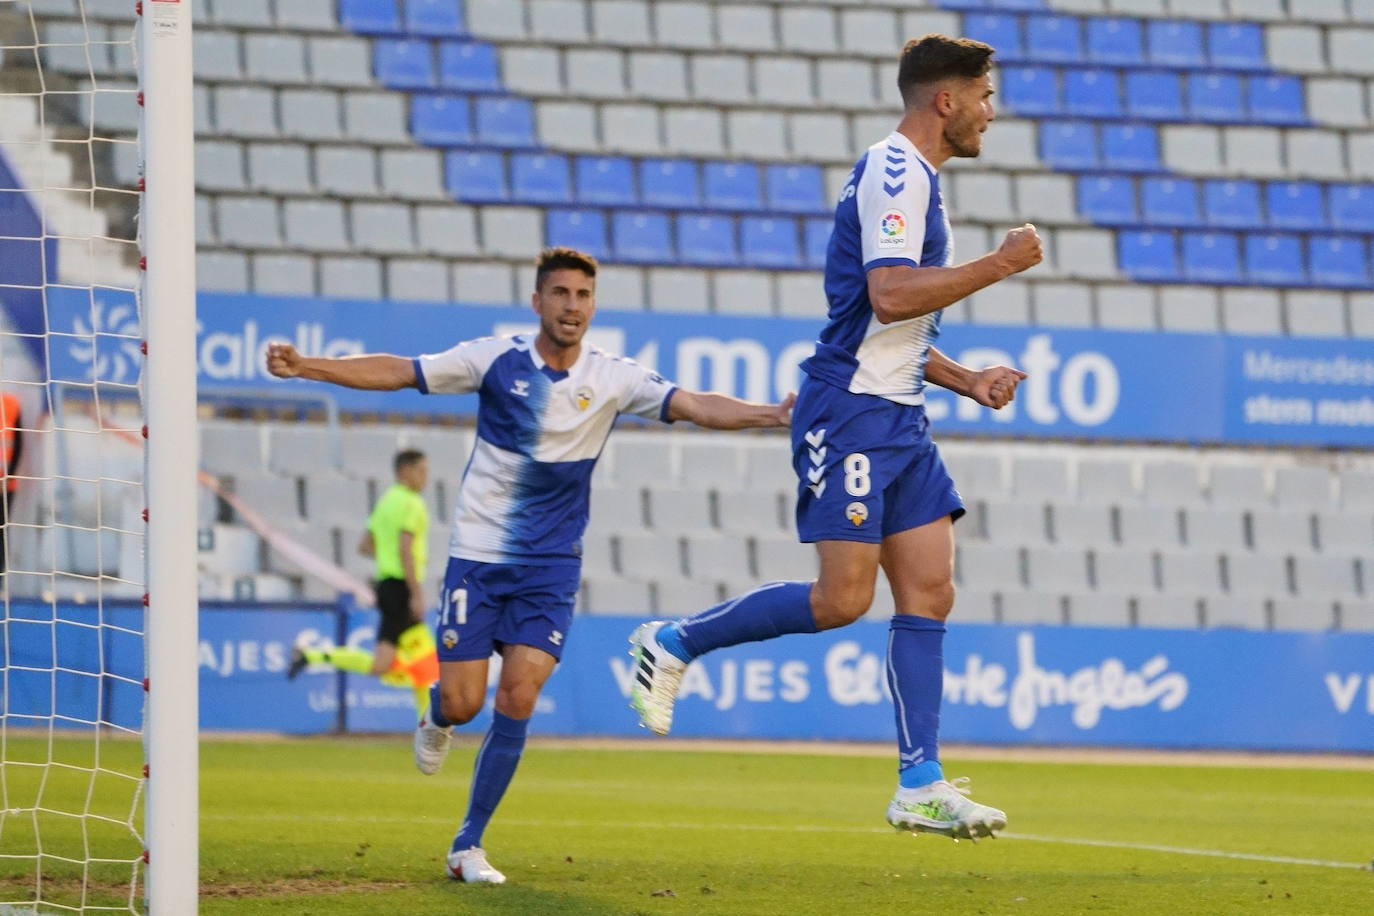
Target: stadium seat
{"points": [[1130, 148], [1338, 260], [1092, 93], [1274, 259], [1211, 257], [1148, 255], [1124, 570], [476, 177], [505, 121], [1357, 616], [1276, 100], [1232, 204], [1099, 610], [1236, 45], [988, 566], [1149, 525], [1068, 145], [1169, 202], [1257, 575], [469, 66], [370, 17], [641, 238], [1295, 205], [751, 512], [403, 63], [1168, 611], [584, 230], [669, 183], [679, 510], [1175, 43], [606, 180], [1154, 94], [1352, 207], [1040, 479], [1081, 525], [1345, 534], [1246, 612], [769, 242], [817, 240], [540, 178], [1215, 97], [1303, 488], [1214, 529], [1282, 533], [795, 188], [1030, 91], [783, 558], [1032, 609], [716, 558], [1189, 573], [1107, 200], [1014, 523], [440, 18], [731, 186], [650, 557], [441, 120], [1106, 481], [1324, 577], [1114, 41], [1055, 39], [1303, 614], [1001, 30], [706, 240]]}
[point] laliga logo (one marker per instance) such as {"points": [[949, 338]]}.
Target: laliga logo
{"points": [[116, 366]]}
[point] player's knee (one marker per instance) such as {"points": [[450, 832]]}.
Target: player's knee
{"points": [[517, 700], [458, 708], [938, 598], [838, 607]]}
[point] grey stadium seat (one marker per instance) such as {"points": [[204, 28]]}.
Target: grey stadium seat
{"points": [[783, 558], [302, 450], [1032, 609], [598, 554], [280, 168], [1214, 529], [351, 278], [1237, 485], [1168, 611], [369, 452], [216, 56], [1357, 491], [1040, 478], [1346, 535], [448, 229], [272, 497], [1083, 526], [248, 222], [376, 117], [333, 499], [674, 510], [1171, 483], [752, 512], [1357, 616], [650, 557], [315, 225], [283, 274], [1098, 609], [1123, 571], [1149, 526], [384, 228], [496, 18], [417, 280], [714, 463], [1282, 532], [346, 170], [659, 76], [222, 271], [621, 22], [342, 62], [245, 111], [989, 567], [1247, 613], [680, 597], [310, 114], [274, 58], [1303, 488], [1189, 573], [746, 28], [1303, 614], [683, 25], [1256, 575], [1057, 570], [1014, 523], [614, 595], [974, 605], [978, 475], [716, 558], [219, 166], [412, 174], [307, 15], [242, 13], [1325, 577]]}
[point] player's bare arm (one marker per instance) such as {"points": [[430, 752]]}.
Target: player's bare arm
{"points": [[717, 411], [993, 387], [899, 292], [366, 546], [413, 584], [371, 371]]}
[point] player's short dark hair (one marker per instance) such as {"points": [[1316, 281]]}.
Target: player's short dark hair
{"points": [[936, 57], [562, 258], [406, 458]]}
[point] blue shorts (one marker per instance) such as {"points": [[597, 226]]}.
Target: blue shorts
{"points": [[486, 605], [866, 467]]}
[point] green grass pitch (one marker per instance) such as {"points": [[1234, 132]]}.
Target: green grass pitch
{"points": [[339, 826]]}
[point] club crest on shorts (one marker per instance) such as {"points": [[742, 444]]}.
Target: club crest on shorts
{"points": [[583, 397], [857, 513], [449, 638]]}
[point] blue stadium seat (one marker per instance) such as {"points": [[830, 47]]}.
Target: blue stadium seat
{"points": [[703, 239], [1275, 259], [1115, 41], [540, 178], [1148, 255], [1237, 45], [817, 240], [669, 183], [504, 121], [477, 177], [641, 238], [1215, 97], [1068, 144], [1175, 43], [441, 120], [443, 18], [470, 66], [1154, 94], [795, 188], [1057, 39], [1107, 200], [370, 17], [401, 63], [731, 186], [1001, 30], [1032, 91], [1276, 100], [1233, 204], [1338, 260], [1211, 257], [1092, 93], [1295, 205], [607, 180], [1352, 207], [1130, 148], [584, 230], [1169, 202], [768, 242]]}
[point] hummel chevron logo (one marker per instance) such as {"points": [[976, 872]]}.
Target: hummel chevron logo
{"points": [[817, 455], [896, 160], [818, 489], [815, 437], [893, 189], [895, 173], [896, 151], [815, 474]]}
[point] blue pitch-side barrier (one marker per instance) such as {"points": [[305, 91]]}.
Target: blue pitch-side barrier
{"points": [[1084, 384], [1003, 685]]}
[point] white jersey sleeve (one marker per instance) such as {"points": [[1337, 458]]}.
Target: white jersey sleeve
{"points": [[459, 369], [892, 197], [643, 392]]}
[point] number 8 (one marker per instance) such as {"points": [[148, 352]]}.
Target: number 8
{"points": [[856, 474]]}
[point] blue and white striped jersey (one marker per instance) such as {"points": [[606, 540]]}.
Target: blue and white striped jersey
{"points": [[890, 212], [524, 494]]}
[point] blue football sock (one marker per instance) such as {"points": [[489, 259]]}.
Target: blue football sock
{"points": [[491, 774], [770, 610], [916, 677], [436, 707]]}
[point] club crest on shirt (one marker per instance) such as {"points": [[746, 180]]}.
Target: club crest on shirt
{"points": [[583, 397], [892, 230], [449, 638], [521, 388], [857, 513]]}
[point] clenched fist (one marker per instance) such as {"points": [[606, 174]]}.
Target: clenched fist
{"points": [[283, 361], [1021, 249], [995, 386]]}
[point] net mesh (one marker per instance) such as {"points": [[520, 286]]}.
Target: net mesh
{"points": [[71, 632]]}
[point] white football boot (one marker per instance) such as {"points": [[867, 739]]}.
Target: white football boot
{"points": [[658, 675], [431, 745], [944, 808], [471, 866]]}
